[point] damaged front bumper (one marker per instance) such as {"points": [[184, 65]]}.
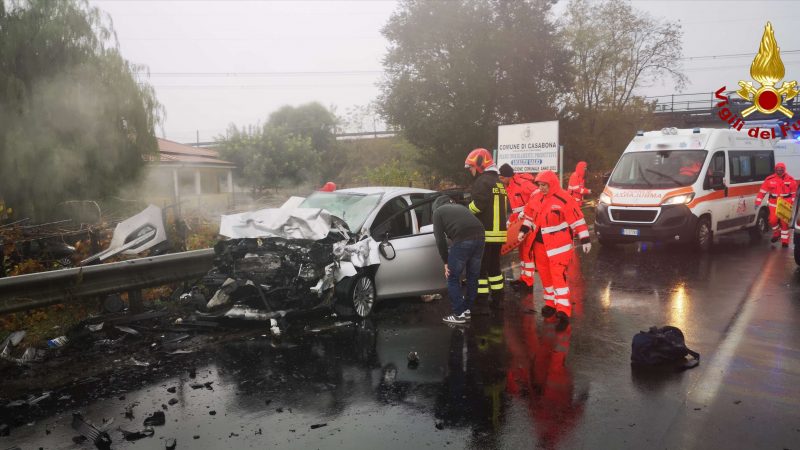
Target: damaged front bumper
{"points": [[279, 261]]}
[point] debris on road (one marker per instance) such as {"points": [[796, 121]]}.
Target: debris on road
{"points": [[156, 419], [136, 435], [99, 437]]}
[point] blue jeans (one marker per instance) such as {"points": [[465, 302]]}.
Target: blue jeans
{"points": [[464, 256]]}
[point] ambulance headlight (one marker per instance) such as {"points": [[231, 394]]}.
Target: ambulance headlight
{"points": [[605, 199], [679, 199]]}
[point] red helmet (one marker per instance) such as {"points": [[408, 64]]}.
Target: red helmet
{"points": [[480, 159]]}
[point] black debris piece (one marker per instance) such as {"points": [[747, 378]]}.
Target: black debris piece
{"points": [[439, 425], [172, 401], [172, 390], [136, 435], [156, 419], [318, 425], [212, 412], [170, 444]]}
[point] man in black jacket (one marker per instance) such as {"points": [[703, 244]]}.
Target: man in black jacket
{"points": [[489, 204], [466, 232]]}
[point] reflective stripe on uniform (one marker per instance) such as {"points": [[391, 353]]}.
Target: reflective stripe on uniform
{"points": [[577, 223], [583, 234], [496, 282], [559, 250], [483, 286], [474, 208], [562, 291], [554, 228], [518, 209], [562, 301]]}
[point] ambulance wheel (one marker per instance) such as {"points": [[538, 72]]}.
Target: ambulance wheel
{"points": [[703, 236], [761, 227]]}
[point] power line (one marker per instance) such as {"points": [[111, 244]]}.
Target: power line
{"points": [[733, 55]]}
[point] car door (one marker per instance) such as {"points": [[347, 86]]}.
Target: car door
{"points": [[410, 270]]}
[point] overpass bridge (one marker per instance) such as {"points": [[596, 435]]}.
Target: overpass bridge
{"points": [[699, 110]]}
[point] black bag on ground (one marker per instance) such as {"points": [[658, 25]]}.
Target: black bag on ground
{"points": [[663, 346]]}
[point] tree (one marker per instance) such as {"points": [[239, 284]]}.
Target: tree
{"points": [[314, 121], [75, 120], [615, 51], [269, 156], [456, 70]]}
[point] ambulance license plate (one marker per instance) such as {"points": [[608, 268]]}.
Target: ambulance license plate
{"points": [[630, 232]]}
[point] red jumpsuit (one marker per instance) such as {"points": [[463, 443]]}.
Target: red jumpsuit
{"points": [[778, 186], [553, 218], [577, 183], [519, 191]]}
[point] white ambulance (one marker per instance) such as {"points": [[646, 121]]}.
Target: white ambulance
{"points": [[685, 186]]}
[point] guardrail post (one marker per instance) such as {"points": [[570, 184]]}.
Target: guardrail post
{"points": [[672, 104], [135, 303]]}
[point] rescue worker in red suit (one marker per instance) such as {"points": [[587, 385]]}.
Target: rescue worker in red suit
{"points": [[577, 183], [519, 187], [330, 186], [553, 217], [778, 185], [489, 204]]}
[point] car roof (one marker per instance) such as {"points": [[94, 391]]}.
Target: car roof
{"points": [[394, 190]]}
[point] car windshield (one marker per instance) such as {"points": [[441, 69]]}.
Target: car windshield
{"points": [[658, 170], [350, 207]]}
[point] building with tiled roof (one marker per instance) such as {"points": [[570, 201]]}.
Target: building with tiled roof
{"points": [[184, 174]]}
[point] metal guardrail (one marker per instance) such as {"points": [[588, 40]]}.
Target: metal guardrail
{"points": [[35, 290]]}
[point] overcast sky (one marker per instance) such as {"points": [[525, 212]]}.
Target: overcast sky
{"points": [[219, 62]]}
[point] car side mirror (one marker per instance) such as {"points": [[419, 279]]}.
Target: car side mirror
{"points": [[387, 250], [606, 177], [426, 229], [717, 180]]}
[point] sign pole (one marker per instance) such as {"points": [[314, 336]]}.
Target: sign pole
{"points": [[561, 165]]}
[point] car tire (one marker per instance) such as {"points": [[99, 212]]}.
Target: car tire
{"points": [[761, 227], [703, 236], [356, 296]]}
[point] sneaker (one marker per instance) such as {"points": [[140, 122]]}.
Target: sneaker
{"points": [[467, 314], [563, 321], [453, 319], [548, 311]]}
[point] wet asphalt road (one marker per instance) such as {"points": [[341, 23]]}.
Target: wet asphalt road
{"points": [[507, 380]]}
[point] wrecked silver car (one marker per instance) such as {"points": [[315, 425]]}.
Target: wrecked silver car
{"points": [[338, 250]]}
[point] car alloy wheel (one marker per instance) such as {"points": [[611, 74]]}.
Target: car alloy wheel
{"points": [[363, 296]]}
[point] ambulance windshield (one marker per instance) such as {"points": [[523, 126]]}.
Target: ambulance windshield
{"points": [[661, 169]]}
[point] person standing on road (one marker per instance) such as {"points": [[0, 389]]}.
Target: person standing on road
{"points": [[519, 187], [489, 204], [577, 183], [552, 217], [465, 231], [778, 185]]}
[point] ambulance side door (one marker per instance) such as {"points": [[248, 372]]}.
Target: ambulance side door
{"points": [[723, 207]]}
